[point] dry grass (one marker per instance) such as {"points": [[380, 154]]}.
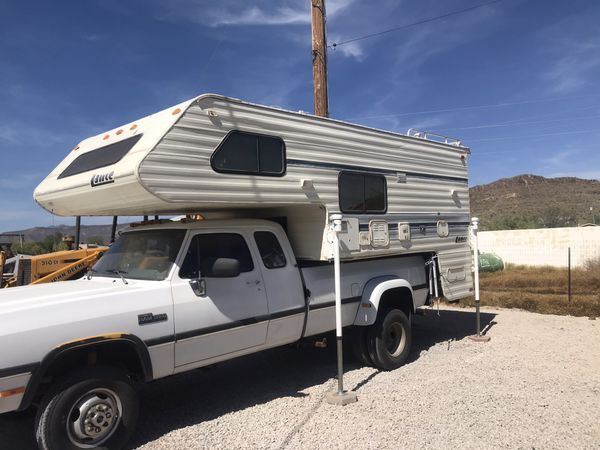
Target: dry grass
{"points": [[543, 290]]}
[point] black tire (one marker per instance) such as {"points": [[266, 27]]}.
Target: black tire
{"points": [[389, 339], [110, 400], [359, 345]]}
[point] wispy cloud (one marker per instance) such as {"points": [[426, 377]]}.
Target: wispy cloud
{"points": [[573, 67], [351, 49], [23, 134], [424, 42], [569, 162], [570, 48], [238, 12], [399, 81], [23, 181], [560, 158], [95, 37]]}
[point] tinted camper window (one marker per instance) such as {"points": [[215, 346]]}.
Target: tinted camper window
{"points": [[101, 157], [362, 193], [249, 153]]}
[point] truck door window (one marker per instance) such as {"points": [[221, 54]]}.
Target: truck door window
{"points": [[270, 250], [205, 249]]}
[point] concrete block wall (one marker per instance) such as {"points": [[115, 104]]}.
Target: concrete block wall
{"points": [[544, 246]]}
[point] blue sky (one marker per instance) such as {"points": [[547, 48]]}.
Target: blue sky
{"points": [[517, 81]]}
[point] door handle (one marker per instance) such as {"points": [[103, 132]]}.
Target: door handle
{"points": [[198, 286], [253, 283]]}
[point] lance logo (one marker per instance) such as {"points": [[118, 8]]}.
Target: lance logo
{"points": [[106, 178]]}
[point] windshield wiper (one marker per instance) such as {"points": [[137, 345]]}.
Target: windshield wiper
{"points": [[120, 273], [90, 272]]}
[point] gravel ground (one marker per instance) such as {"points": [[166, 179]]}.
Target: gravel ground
{"points": [[536, 384]]}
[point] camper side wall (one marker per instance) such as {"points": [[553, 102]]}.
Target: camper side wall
{"points": [[399, 194]]}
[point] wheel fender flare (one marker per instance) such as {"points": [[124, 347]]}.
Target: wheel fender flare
{"points": [[371, 296], [88, 342]]}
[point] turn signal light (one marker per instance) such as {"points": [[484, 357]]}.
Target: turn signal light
{"points": [[11, 392]]}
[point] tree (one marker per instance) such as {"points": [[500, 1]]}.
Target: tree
{"points": [[28, 248], [98, 240]]}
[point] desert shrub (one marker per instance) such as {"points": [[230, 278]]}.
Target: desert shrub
{"points": [[593, 265]]}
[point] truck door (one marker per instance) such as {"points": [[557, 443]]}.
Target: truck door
{"points": [[283, 285], [219, 299]]}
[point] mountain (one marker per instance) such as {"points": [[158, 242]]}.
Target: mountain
{"points": [[93, 232], [532, 201]]}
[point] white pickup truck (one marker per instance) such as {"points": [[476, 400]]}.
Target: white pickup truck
{"points": [[170, 297]]}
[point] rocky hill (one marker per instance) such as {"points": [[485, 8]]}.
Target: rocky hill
{"points": [[532, 201], [95, 233]]}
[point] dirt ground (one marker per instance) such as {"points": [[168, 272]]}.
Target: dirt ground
{"points": [[536, 384]]}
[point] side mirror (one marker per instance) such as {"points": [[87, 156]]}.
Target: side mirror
{"points": [[225, 268], [198, 285]]}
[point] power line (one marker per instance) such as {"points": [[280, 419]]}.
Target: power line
{"points": [[408, 25], [552, 114], [519, 123], [466, 108], [534, 136]]}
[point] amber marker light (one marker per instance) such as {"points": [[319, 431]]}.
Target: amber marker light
{"points": [[119, 132], [176, 111], [133, 127], [106, 136], [11, 392]]}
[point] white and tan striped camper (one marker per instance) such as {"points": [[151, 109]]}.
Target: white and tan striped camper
{"points": [[222, 157]]}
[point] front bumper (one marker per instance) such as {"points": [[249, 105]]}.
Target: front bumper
{"points": [[12, 390]]}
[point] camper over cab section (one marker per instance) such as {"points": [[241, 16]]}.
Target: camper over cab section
{"points": [[225, 158]]}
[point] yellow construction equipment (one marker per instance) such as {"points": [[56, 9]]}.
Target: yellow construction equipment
{"points": [[51, 267], [2, 259]]}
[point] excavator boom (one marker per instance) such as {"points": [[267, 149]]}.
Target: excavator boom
{"points": [[56, 266]]}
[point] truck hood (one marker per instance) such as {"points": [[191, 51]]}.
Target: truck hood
{"points": [[36, 319], [42, 295]]}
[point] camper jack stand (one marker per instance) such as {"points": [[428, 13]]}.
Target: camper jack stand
{"points": [[474, 228], [339, 397]]}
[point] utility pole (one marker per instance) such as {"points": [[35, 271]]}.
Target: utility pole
{"points": [[319, 58]]}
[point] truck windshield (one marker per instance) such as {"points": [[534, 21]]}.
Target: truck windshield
{"points": [[141, 255]]}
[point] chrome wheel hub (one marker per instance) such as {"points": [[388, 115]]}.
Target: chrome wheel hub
{"points": [[395, 340], [94, 418]]}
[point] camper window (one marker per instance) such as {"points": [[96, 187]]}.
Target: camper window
{"points": [[250, 153], [101, 157], [362, 193]]}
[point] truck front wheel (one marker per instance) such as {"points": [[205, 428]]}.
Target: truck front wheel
{"points": [[94, 408], [389, 340]]}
